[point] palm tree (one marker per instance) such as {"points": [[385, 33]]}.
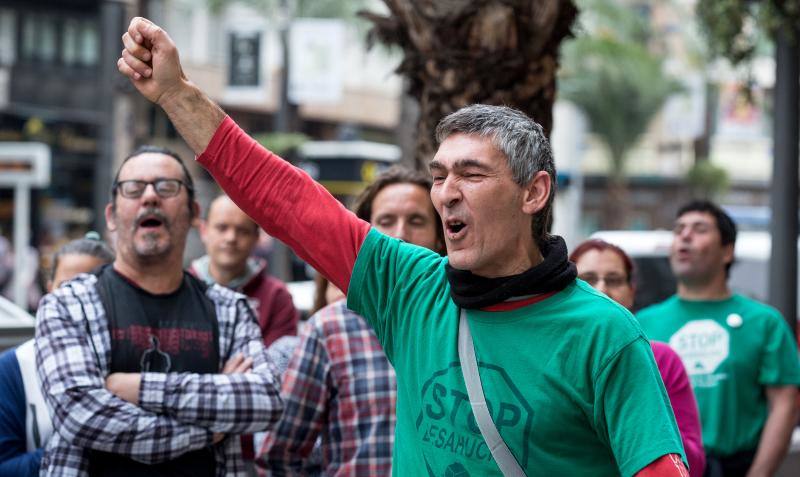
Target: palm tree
{"points": [[459, 52], [620, 85]]}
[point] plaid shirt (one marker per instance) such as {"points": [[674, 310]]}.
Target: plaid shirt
{"points": [[340, 386], [177, 412]]}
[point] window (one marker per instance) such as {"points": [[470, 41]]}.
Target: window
{"points": [[80, 46], [47, 38], [39, 34], [8, 35], [244, 59]]}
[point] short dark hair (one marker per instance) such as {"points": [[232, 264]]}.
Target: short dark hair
{"points": [[601, 246], [150, 149], [396, 175], [725, 224], [90, 245]]}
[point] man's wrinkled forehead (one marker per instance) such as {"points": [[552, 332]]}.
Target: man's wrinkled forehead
{"points": [[150, 165], [463, 150]]}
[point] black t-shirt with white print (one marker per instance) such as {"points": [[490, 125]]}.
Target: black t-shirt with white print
{"points": [[171, 333]]}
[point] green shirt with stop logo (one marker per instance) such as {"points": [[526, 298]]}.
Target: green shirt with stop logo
{"points": [[570, 380], [732, 349]]}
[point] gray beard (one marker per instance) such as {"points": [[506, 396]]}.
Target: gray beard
{"points": [[151, 250]]}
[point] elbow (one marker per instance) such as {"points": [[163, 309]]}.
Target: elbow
{"points": [[65, 422], [269, 414], [269, 410]]}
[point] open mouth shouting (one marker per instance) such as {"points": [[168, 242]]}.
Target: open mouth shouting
{"points": [[455, 229], [151, 222], [683, 253]]}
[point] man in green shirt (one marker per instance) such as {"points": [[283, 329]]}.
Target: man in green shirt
{"points": [[739, 353], [570, 382]]}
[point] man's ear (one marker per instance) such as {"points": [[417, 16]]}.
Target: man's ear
{"points": [[111, 218], [536, 193], [728, 253]]}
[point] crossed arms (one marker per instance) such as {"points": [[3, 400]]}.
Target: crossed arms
{"points": [[177, 413]]}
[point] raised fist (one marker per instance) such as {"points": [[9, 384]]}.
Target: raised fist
{"points": [[150, 59]]}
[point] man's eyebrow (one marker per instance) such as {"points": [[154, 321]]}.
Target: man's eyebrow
{"points": [[434, 164], [465, 163], [459, 164]]}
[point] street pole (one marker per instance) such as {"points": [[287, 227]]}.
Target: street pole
{"points": [[112, 18], [783, 196], [22, 230], [281, 265]]}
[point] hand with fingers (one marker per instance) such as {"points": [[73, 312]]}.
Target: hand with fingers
{"points": [[150, 59], [238, 364]]}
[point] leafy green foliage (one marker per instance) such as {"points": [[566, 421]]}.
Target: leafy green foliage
{"points": [[618, 83], [345, 9], [734, 28], [707, 180]]}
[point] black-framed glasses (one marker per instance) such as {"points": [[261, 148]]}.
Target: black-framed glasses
{"points": [[165, 188]]}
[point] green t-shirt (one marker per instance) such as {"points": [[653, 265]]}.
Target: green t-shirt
{"points": [[571, 381], [732, 349]]}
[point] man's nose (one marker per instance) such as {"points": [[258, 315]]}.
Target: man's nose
{"points": [[450, 192], [149, 194]]}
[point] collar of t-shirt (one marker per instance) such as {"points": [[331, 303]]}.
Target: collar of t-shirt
{"points": [[552, 275]]}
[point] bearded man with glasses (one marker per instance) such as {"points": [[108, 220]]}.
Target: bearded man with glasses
{"points": [[146, 369]]}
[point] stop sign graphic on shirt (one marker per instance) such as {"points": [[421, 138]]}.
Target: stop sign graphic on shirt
{"points": [[702, 345]]}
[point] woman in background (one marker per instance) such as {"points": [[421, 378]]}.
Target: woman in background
{"points": [[25, 425], [609, 269]]}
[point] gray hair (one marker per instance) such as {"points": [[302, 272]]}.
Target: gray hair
{"points": [[519, 137]]}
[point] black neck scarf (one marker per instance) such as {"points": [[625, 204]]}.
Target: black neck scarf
{"points": [[553, 274]]}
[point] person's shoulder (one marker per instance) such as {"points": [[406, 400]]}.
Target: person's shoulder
{"points": [[756, 308], [380, 244], [264, 282], [656, 309], [599, 313], [335, 319], [768, 318], [591, 302], [81, 283], [220, 295], [8, 360], [76, 291]]}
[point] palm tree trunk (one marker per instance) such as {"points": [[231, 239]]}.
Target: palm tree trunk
{"points": [[460, 52]]}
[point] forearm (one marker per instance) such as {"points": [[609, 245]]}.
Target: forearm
{"points": [[194, 115], [223, 403], [238, 403], [286, 202], [106, 423], [775, 438]]}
